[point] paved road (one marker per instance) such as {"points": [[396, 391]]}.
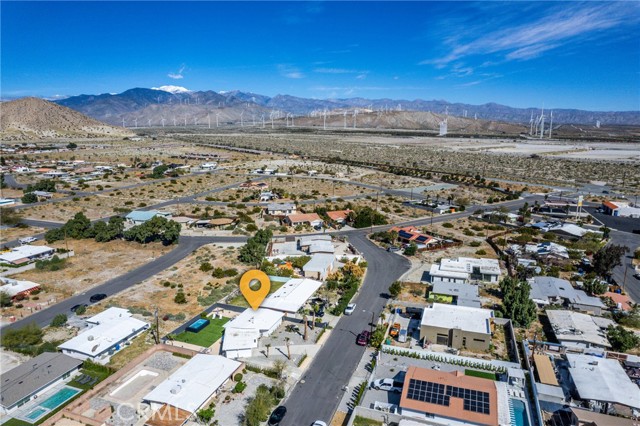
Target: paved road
{"points": [[187, 245], [318, 393], [631, 284]]}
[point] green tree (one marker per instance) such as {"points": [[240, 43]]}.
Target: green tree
{"points": [[156, 229], [10, 217], [29, 198], [5, 299], [59, 320], [607, 258], [395, 289], [595, 287], [81, 310], [205, 415], [254, 250], [411, 249], [180, 298], [109, 231], [622, 339], [366, 216], [46, 185], [22, 338], [72, 145], [516, 303], [158, 172]]}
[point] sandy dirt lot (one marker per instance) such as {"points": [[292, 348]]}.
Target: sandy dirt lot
{"points": [[93, 264], [201, 289]]}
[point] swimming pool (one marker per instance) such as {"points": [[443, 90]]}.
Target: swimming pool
{"points": [[36, 414], [198, 325], [50, 404], [518, 413]]}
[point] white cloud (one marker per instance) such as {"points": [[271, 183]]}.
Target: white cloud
{"points": [[559, 26], [178, 74], [289, 71], [361, 76]]}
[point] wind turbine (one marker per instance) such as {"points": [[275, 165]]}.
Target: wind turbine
{"points": [[136, 121], [542, 123], [551, 124], [531, 124], [217, 123], [185, 121], [209, 118], [254, 120], [355, 116], [241, 121], [325, 119], [162, 119], [174, 121], [345, 119], [271, 117], [149, 122], [123, 124], [263, 121], [195, 119], [292, 120]]}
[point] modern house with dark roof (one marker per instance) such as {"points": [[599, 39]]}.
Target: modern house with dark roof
{"points": [[35, 377]]}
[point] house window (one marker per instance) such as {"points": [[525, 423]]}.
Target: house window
{"points": [[464, 341], [479, 340]]}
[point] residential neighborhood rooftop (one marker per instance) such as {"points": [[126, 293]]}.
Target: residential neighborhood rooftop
{"points": [[34, 374], [578, 328], [292, 295], [194, 383], [602, 379], [466, 318]]}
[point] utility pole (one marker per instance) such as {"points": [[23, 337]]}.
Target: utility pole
{"points": [[156, 335]]}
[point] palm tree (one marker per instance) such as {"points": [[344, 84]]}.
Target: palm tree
{"points": [[268, 346], [287, 341], [305, 328]]}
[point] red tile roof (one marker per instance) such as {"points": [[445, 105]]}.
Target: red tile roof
{"points": [[623, 299], [338, 214], [303, 217], [610, 205]]}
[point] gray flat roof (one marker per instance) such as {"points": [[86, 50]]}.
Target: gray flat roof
{"points": [[600, 379], [33, 375], [462, 291]]}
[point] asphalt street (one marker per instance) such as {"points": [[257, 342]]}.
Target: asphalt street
{"points": [[630, 283], [117, 284], [317, 395]]}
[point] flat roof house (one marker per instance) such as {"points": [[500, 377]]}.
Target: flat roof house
{"points": [[456, 294], [457, 326], [34, 377], [292, 295], [138, 217], [573, 329], [551, 290], [311, 219], [602, 381], [15, 288], [101, 341], [618, 208], [320, 265], [451, 398], [464, 270], [280, 209], [26, 253], [242, 333], [193, 384]]}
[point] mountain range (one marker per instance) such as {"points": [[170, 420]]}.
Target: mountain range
{"points": [[174, 104]]}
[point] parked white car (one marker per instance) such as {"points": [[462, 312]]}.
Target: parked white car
{"points": [[319, 423], [27, 240], [387, 385], [350, 308]]}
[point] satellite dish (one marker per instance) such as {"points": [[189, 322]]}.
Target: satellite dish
{"points": [[95, 348]]}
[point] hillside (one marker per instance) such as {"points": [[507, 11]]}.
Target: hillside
{"points": [[33, 118]]}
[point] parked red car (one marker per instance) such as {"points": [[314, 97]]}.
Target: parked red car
{"points": [[363, 338]]}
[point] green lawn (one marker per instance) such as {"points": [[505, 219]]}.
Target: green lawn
{"points": [[363, 421], [239, 300], [207, 336], [481, 374]]}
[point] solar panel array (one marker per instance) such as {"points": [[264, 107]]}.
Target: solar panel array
{"points": [[436, 393]]}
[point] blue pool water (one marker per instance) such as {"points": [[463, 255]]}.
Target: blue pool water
{"points": [[198, 325], [36, 414], [519, 413], [59, 398]]}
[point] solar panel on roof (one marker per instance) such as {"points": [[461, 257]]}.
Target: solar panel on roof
{"points": [[436, 393], [404, 234], [422, 238]]}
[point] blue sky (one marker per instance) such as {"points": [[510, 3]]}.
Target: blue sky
{"points": [[563, 54]]}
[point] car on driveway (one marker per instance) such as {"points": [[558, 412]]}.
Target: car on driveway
{"points": [[319, 423], [97, 297], [388, 385], [351, 307], [363, 338], [27, 240], [278, 414]]}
